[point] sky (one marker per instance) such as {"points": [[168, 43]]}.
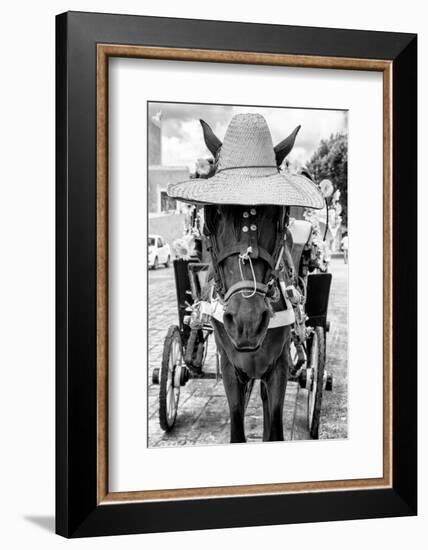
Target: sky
{"points": [[182, 138]]}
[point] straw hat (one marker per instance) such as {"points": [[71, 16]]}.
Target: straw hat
{"points": [[247, 171]]}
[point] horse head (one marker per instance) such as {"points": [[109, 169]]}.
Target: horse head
{"points": [[246, 243], [245, 247]]}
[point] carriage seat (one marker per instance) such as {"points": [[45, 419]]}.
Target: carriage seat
{"points": [[301, 231]]}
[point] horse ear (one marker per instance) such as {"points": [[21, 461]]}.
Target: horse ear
{"points": [[211, 140], [284, 148]]}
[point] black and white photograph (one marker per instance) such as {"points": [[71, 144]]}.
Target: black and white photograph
{"points": [[248, 253]]}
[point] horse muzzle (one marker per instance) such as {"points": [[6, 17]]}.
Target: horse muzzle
{"points": [[246, 321]]}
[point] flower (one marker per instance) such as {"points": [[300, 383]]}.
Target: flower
{"points": [[326, 188]]}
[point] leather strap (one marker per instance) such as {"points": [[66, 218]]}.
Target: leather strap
{"points": [[280, 318], [245, 285], [260, 252]]}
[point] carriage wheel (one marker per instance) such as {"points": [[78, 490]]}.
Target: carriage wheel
{"points": [[316, 362], [169, 391]]}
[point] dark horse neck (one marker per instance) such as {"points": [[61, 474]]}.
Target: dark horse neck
{"points": [[269, 364]]}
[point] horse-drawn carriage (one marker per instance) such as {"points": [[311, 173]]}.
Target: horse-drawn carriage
{"points": [[186, 344], [264, 293]]}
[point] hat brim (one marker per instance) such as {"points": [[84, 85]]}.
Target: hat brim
{"points": [[235, 187]]}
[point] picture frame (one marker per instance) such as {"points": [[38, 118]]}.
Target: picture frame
{"points": [[84, 44]]}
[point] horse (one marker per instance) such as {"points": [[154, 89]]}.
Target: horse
{"points": [[247, 285]]}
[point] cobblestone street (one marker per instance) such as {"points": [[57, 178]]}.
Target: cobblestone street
{"points": [[203, 416]]}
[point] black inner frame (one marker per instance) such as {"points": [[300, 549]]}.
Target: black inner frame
{"points": [[77, 513]]}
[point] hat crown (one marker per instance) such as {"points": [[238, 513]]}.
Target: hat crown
{"points": [[247, 143]]}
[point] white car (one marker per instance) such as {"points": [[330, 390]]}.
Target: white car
{"points": [[159, 252]]}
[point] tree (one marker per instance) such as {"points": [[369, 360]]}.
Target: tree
{"points": [[330, 161]]}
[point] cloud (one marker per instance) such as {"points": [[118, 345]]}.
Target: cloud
{"points": [[182, 139], [184, 148]]}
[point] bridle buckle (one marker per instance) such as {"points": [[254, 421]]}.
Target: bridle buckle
{"points": [[246, 255]]}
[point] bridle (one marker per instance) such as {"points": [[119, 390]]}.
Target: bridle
{"points": [[247, 250]]}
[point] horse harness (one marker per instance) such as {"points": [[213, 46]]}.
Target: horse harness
{"points": [[247, 250]]}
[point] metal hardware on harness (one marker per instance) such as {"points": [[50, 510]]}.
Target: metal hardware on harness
{"points": [[242, 259], [246, 255], [274, 293], [294, 295]]}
